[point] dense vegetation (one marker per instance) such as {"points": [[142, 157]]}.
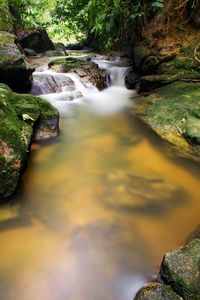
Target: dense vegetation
{"points": [[107, 19], [112, 21]]}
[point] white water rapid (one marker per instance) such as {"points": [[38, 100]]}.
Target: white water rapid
{"points": [[66, 91]]}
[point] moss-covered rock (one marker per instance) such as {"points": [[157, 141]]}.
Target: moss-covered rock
{"points": [[180, 269], [88, 71], [18, 116], [173, 112], [14, 69], [6, 22], [157, 291]]}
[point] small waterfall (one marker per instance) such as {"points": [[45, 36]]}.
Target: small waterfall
{"points": [[66, 90], [116, 71]]}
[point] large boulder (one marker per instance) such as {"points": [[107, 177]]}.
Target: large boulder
{"points": [[14, 69], [36, 39], [19, 114], [87, 70], [180, 269], [6, 22], [173, 113], [157, 291]]}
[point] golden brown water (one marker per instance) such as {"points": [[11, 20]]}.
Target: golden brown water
{"points": [[95, 213]]}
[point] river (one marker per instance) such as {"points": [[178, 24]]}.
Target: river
{"points": [[97, 207]]}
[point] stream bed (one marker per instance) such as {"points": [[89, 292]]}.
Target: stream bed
{"points": [[99, 206]]}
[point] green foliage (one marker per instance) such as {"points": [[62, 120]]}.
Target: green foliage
{"points": [[107, 20]]}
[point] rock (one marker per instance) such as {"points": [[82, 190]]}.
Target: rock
{"points": [[36, 39], [149, 64], [51, 83], [14, 69], [127, 192], [157, 291], [173, 112], [191, 129], [6, 22], [30, 52], [148, 83], [180, 269], [131, 80], [19, 115], [55, 53], [60, 46], [88, 71]]}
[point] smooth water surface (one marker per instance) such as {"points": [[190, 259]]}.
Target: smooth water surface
{"points": [[97, 208]]}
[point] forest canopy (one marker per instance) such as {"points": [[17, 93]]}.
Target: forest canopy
{"points": [[73, 19], [112, 21]]}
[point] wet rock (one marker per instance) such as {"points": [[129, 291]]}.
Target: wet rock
{"points": [[19, 115], [148, 83], [36, 39], [191, 129], [180, 269], [48, 84], [60, 47], [30, 52], [157, 291], [149, 64], [88, 71], [173, 112], [14, 69], [131, 80]]}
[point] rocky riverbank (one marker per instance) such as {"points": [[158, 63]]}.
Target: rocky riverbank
{"points": [[23, 118], [179, 274], [166, 71]]}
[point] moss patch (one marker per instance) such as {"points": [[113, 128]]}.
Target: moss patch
{"points": [[6, 22], [173, 112], [18, 116]]}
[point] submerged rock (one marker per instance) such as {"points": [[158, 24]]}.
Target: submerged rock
{"points": [[36, 39], [30, 52], [88, 71], [157, 291], [19, 115], [127, 192], [180, 269], [173, 112], [14, 69]]}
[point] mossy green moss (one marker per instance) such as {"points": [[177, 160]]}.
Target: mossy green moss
{"points": [[173, 111], [67, 64], [157, 291], [6, 22], [180, 269], [18, 116]]}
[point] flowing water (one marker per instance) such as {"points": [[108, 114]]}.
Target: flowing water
{"points": [[99, 206]]}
